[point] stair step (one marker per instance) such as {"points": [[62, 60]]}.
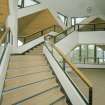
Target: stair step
{"points": [[30, 81], [28, 61], [23, 71], [26, 80], [28, 91], [34, 53], [33, 67], [44, 99], [26, 64], [36, 50], [61, 101], [26, 57]]}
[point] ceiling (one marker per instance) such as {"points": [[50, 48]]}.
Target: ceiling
{"points": [[76, 8]]}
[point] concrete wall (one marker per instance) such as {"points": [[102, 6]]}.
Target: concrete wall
{"points": [[94, 37], [69, 42]]}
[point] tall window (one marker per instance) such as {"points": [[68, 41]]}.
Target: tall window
{"points": [[63, 18], [26, 3], [77, 20]]}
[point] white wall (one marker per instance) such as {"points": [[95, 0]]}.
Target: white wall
{"points": [[93, 37], [68, 42], [27, 46], [30, 10], [76, 38]]}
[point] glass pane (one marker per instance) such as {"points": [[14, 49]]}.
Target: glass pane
{"points": [[91, 50], [84, 53], [79, 20], [27, 3], [75, 55], [99, 53], [78, 82]]}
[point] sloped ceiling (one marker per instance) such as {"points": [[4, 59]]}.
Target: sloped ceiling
{"points": [[3, 10], [35, 22]]}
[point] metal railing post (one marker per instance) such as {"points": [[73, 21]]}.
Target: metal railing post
{"points": [[90, 96], [54, 28], [94, 27], [78, 28], [64, 64]]}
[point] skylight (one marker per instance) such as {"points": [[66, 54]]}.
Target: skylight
{"points": [[26, 3]]}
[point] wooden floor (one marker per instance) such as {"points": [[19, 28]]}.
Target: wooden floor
{"points": [[30, 81]]}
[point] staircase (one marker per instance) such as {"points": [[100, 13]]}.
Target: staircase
{"points": [[29, 81]]}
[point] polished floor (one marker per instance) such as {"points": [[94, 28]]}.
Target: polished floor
{"points": [[97, 78]]}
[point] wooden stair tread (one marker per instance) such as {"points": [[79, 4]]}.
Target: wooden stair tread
{"points": [[30, 90], [26, 57], [24, 80], [26, 64], [44, 99], [24, 71], [36, 67], [61, 102], [30, 81]]}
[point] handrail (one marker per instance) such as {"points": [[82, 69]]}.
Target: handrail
{"points": [[4, 35], [65, 32], [90, 24], [77, 71], [5, 39], [54, 26], [77, 29], [93, 26], [38, 34]]}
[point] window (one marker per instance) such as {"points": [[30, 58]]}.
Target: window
{"points": [[20, 43], [26, 3], [63, 18], [77, 20]]}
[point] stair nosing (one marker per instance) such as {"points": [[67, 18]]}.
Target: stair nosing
{"points": [[57, 100], [4, 91], [36, 95], [28, 74], [27, 67]]}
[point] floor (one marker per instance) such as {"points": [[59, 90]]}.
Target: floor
{"points": [[97, 78]]}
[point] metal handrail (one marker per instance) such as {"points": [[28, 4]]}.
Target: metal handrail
{"points": [[4, 35], [77, 71], [38, 32]]}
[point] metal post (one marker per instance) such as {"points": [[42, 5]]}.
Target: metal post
{"points": [[78, 28], [63, 64], [90, 96], [54, 28], [94, 27]]}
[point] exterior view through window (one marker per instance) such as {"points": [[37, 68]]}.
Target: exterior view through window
{"points": [[77, 20], [26, 3]]}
